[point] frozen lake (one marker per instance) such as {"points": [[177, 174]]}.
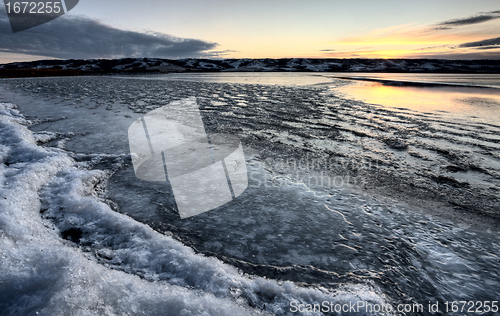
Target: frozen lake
{"points": [[358, 191]]}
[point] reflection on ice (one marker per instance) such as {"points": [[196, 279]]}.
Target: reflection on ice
{"points": [[482, 104]]}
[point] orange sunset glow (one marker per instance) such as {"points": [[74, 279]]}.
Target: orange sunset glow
{"points": [[410, 41]]}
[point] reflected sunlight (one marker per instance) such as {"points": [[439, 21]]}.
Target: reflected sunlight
{"points": [[482, 103]]}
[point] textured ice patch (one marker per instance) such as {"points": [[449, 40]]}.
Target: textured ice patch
{"points": [[110, 264], [42, 274]]}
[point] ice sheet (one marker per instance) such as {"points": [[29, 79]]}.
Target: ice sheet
{"points": [[45, 194]]}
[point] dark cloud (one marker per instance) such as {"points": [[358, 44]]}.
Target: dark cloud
{"points": [[432, 47], [486, 42], [220, 54], [81, 37], [470, 20], [488, 47], [484, 17], [327, 50], [441, 28], [461, 56]]}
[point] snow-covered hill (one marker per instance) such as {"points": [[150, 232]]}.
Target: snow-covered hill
{"points": [[156, 65]]}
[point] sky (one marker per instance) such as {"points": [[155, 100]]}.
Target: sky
{"points": [[449, 29]]}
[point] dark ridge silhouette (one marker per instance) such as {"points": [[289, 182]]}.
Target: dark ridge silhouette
{"points": [[76, 67]]}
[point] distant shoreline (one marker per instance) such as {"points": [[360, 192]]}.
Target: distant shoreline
{"points": [[128, 66]]}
